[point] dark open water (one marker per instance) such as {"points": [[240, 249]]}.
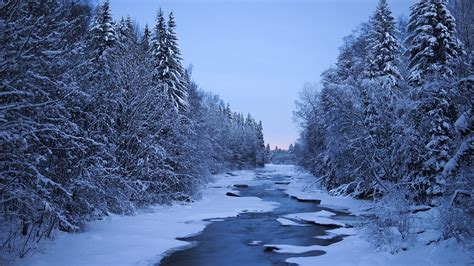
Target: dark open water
{"points": [[227, 242]]}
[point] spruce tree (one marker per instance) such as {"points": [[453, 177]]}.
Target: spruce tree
{"points": [[126, 37], [268, 151], [433, 45], [433, 51], [369, 108], [382, 78], [383, 45], [102, 33], [145, 41], [260, 145], [167, 63], [178, 82], [160, 52], [440, 135]]}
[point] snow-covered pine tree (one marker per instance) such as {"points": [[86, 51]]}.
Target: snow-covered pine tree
{"points": [[268, 158], [260, 145], [382, 66], [160, 53], [352, 58], [102, 32], [369, 106], [402, 34], [228, 112], [145, 40], [440, 131], [96, 74], [177, 73], [433, 51], [433, 45], [168, 70], [345, 63], [126, 37], [383, 46], [379, 89]]}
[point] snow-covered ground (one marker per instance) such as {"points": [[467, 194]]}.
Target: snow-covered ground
{"points": [[354, 249], [144, 238]]}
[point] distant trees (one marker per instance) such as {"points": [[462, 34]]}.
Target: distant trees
{"points": [[267, 154], [260, 152], [97, 118], [279, 156]]}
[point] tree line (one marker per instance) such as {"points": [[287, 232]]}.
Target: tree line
{"points": [[394, 115], [98, 117]]}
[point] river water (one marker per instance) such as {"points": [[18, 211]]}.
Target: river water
{"points": [[240, 240]]}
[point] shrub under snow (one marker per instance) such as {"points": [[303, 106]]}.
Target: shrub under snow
{"points": [[389, 226]]}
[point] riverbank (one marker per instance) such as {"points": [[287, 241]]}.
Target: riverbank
{"points": [[319, 230], [427, 248], [144, 238]]}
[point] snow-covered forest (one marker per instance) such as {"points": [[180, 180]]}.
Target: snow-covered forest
{"points": [[98, 117], [112, 154], [281, 156], [392, 120]]}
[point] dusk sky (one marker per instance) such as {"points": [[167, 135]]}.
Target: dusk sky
{"points": [[257, 54]]}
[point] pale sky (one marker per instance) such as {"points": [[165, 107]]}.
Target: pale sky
{"points": [[258, 54]]}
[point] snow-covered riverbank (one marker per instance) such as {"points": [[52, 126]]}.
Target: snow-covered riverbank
{"points": [[143, 239], [355, 250]]}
